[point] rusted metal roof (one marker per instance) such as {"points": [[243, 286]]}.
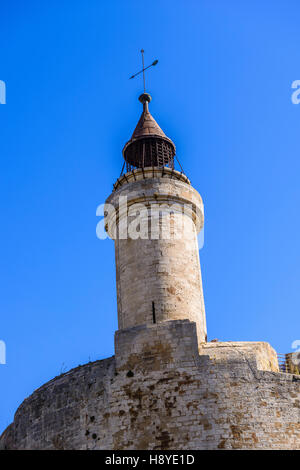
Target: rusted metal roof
{"points": [[147, 125]]}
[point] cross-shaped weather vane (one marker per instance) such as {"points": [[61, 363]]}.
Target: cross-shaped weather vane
{"points": [[143, 69]]}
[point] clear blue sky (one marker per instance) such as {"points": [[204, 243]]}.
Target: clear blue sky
{"points": [[221, 91]]}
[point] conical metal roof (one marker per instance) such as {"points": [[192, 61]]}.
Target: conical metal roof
{"points": [[147, 124]]}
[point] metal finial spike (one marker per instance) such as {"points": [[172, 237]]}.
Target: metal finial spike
{"points": [[142, 52]]}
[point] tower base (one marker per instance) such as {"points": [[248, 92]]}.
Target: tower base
{"points": [[160, 392]]}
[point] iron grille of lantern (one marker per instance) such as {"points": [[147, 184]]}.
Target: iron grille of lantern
{"points": [[150, 152]]}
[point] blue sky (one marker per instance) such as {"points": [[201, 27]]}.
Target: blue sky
{"points": [[221, 91]]}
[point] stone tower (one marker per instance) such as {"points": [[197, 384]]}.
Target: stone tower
{"points": [[155, 220], [166, 387]]}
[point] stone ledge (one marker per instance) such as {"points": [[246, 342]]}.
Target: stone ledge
{"points": [[150, 172], [259, 353]]}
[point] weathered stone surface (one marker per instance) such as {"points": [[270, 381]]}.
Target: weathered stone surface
{"points": [[159, 393], [162, 270], [260, 353]]}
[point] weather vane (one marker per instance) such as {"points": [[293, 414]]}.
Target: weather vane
{"points": [[143, 69]]}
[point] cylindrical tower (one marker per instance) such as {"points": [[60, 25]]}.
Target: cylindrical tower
{"points": [[154, 216]]}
